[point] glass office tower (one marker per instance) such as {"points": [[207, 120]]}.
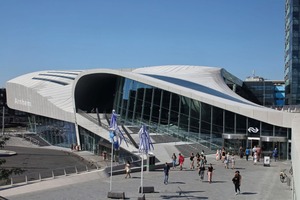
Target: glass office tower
{"points": [[292, 53]]}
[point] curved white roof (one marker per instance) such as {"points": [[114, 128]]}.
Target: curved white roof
{"points": [[51, 93]]}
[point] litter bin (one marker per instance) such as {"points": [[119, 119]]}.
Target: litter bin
{"points": [[151, 162], [267, 161]]}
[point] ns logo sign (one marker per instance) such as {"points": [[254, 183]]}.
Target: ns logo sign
{"points": [[253, 130]]}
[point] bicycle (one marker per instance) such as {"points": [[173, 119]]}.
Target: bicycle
{"points": [[283, 176]]}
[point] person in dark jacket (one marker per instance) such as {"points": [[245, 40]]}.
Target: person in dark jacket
{"points": [[166, 172], [237, 182], [201, 171]]}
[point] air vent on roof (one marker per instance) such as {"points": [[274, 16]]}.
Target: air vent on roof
{"points": [[51, 80], [60, 72], [59, 76]]}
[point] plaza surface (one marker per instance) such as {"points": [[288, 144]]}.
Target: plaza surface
{"points": [[258, 182]]}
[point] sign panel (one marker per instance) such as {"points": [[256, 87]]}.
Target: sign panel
{"points": [[253, 130]]}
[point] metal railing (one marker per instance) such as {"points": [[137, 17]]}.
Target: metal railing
{"points": [[23, 179]]}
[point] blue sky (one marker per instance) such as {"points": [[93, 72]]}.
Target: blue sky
{"points": [[238, 35]]}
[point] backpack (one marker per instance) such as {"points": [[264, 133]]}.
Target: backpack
{"points": [[247, 152]]}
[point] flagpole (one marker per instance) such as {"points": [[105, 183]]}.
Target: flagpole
{"points": [[142, 170], [148, 162], [114, 132], [111, 165], [144, 146]]}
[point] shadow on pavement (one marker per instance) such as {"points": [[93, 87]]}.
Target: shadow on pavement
{"points": [[179, 196], [176, 183], [248, 193]]}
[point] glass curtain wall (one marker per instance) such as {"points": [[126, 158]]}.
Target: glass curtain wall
{"points": [[88, 140], [56, 132], [183, 117]]}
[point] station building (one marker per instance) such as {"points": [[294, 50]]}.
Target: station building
{"points": [[197, 104]]}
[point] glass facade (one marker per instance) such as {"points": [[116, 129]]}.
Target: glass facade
{"points": [[99, 146], [183, 117], [266, 92], [56, 132]]}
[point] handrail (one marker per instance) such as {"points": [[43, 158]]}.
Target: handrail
{"points": [[47, 174], [105, 126], [86, 115], [130, 138], [166, 131]]}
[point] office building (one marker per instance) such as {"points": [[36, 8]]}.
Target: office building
{"points": [[292, 52], [268, 93]]}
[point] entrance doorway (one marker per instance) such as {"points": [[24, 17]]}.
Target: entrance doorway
{"points": [[233, 142], [269, 143], [253, 141]]}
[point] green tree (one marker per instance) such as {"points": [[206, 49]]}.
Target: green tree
{"points": [[4, 172]]}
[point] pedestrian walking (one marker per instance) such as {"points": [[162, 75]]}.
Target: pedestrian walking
{"points": [[218, 155], [201, 172], [241, 152], [223, 154], [166, 172], [258, 151], [209, 173], [247, 153], [180, 161], [226, 163], [237, 182], [227, 160], [253, 151], [275, 154], [255, 158], [174, 158], [192, 162], [232, 162], [128, 169], [202, 152], [198, 159]]}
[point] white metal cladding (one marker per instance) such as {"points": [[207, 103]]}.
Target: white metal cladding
{"points": [[53, 96], [37, 93], [215, 92]]}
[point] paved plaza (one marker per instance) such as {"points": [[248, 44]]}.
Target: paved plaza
{"points": [[258, 182]]}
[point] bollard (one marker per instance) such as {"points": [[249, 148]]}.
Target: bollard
{"points": [[11, 181], [87, 169], [76, 170], [53, 175], [26, 180], [65, 172], [40, 177]]}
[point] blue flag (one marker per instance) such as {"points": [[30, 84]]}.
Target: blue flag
{"points": [[145, 140], [115, 134]]}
